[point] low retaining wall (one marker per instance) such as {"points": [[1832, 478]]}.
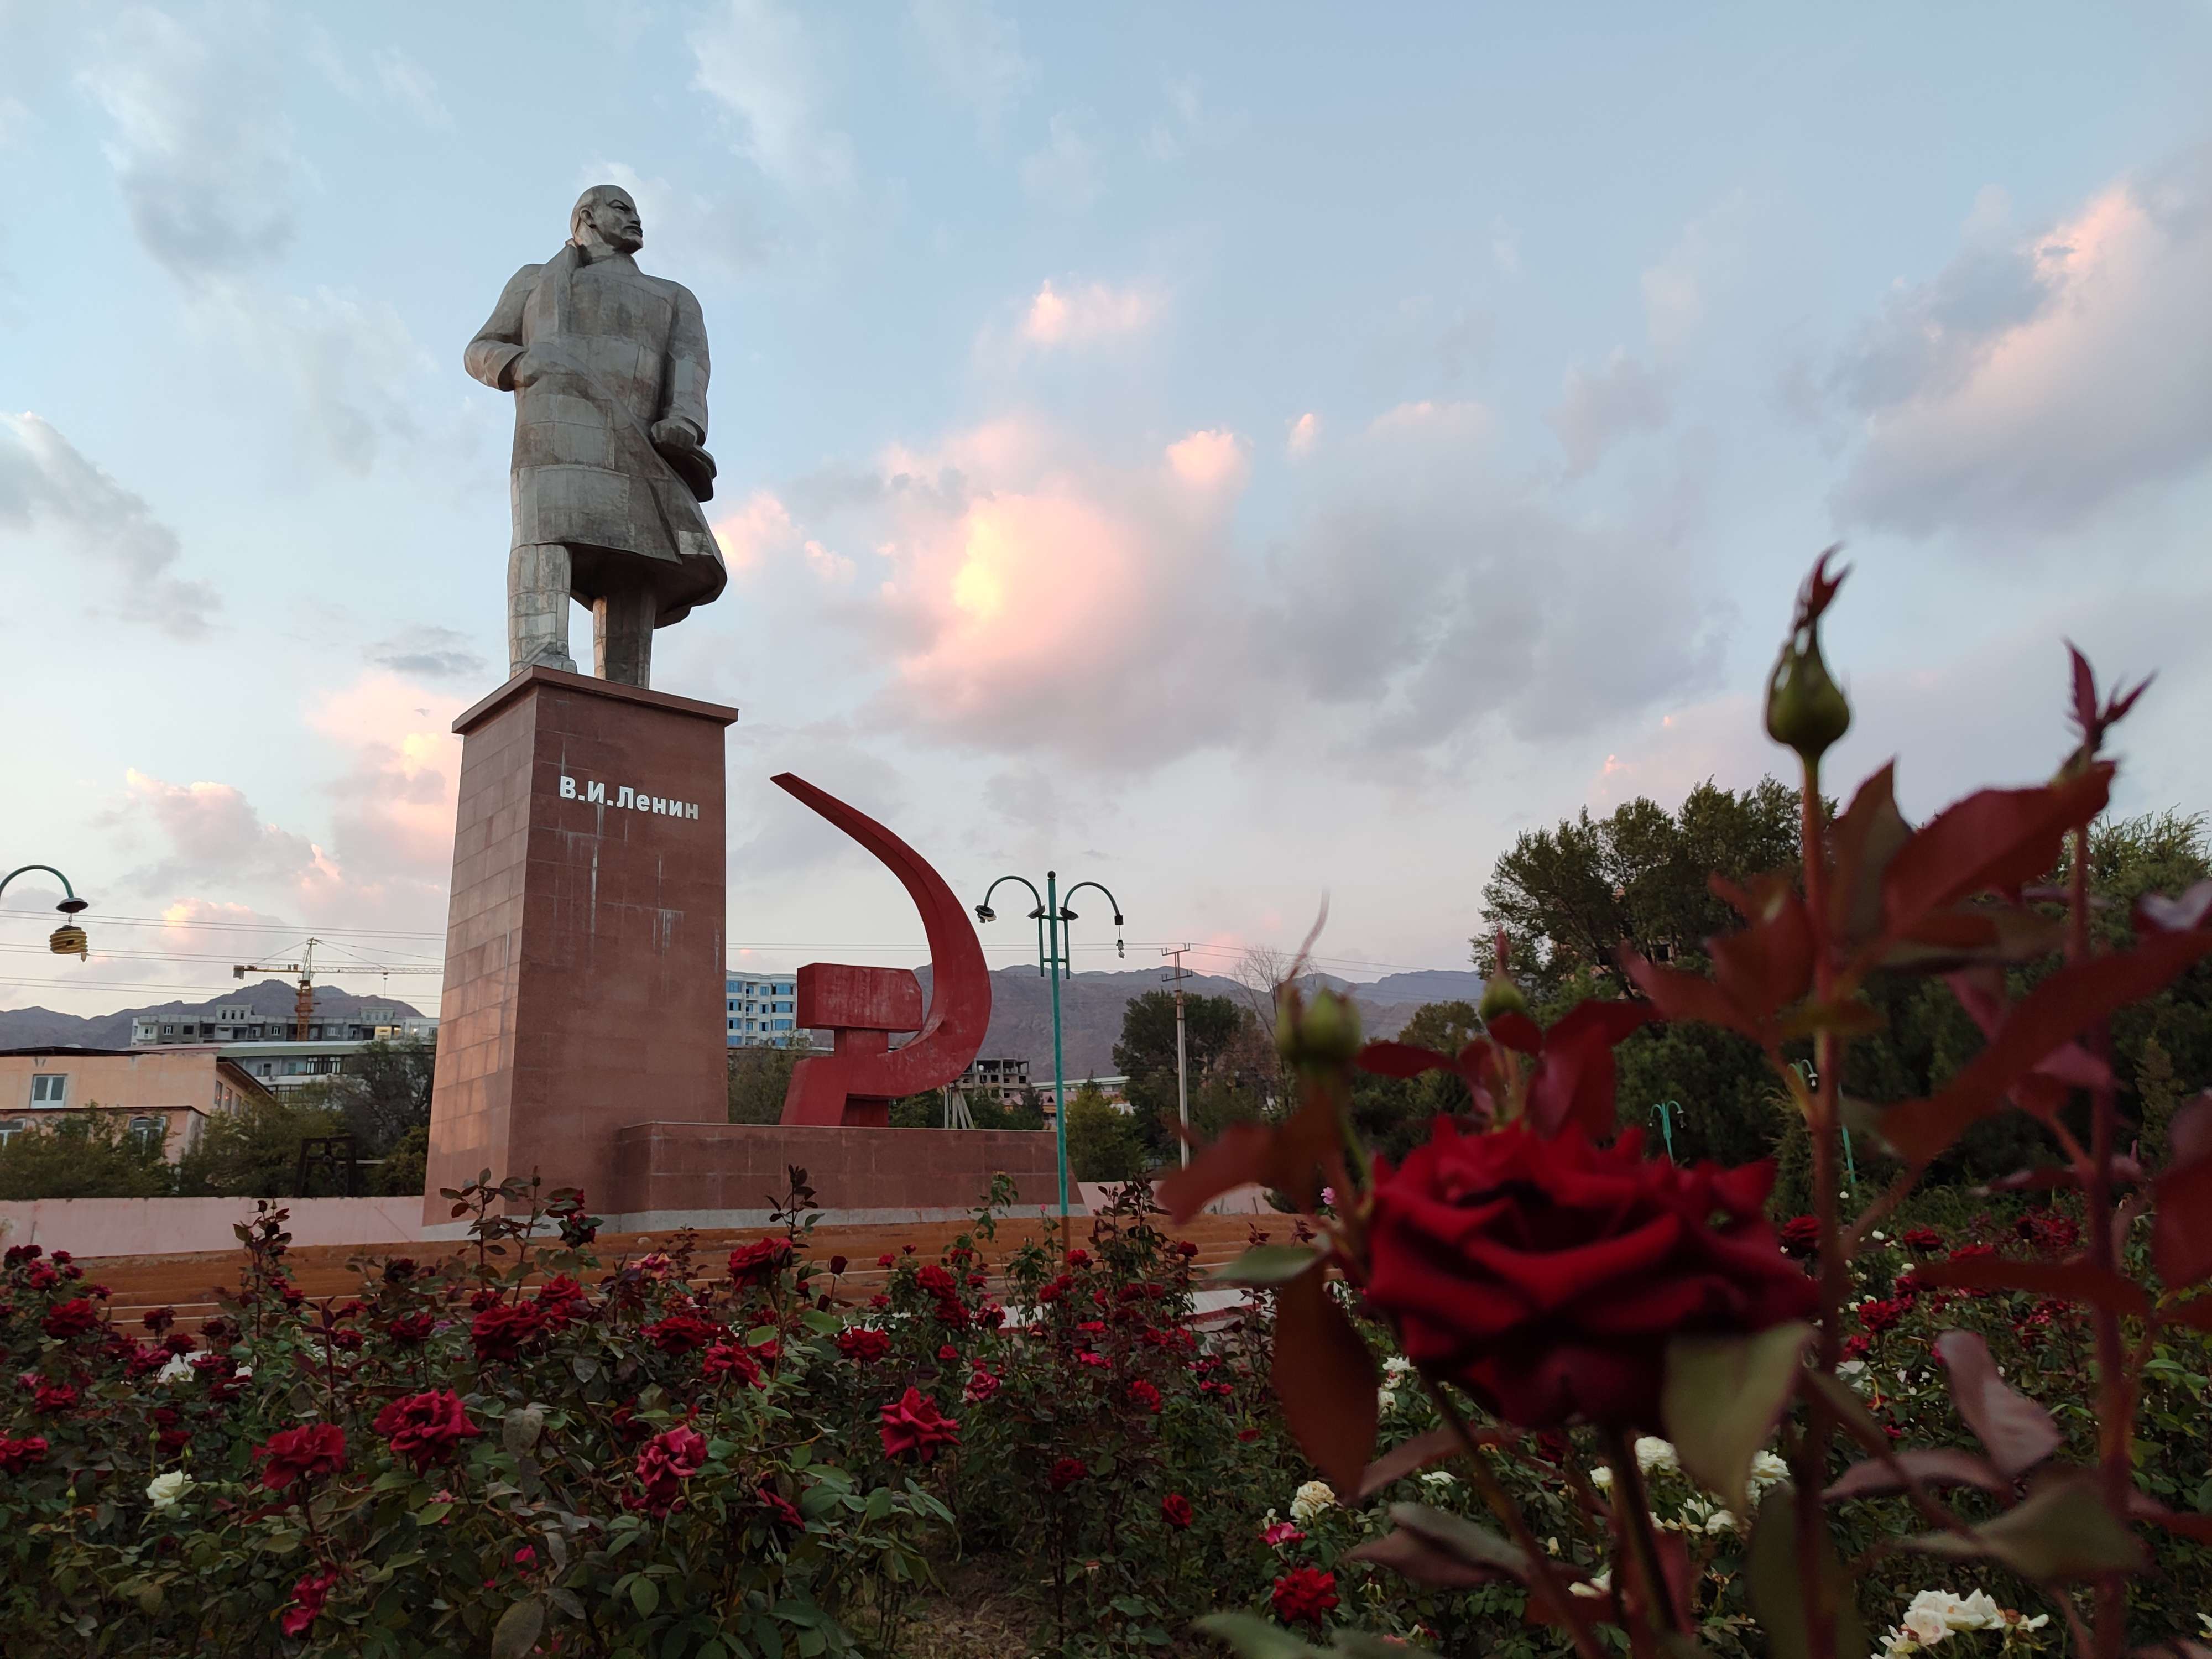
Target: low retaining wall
{"points": [[182, 1226]]}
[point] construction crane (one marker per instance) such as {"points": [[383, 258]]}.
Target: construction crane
{"points": [[303, 1008]]}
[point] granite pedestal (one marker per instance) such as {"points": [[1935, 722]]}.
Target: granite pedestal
{"points": [[585, 949]]}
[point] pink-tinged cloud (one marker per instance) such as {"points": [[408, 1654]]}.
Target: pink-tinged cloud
{"points": [[210, 830], [755, 531], [1086, 315], [2026, 386], [1431, 417], [1210, 460], [1306, 433], [397, 792]]}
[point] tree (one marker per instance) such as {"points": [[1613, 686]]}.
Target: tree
{"points": [[1103, 1144], [388, 1093], [759, 1080], [88, 1154], [406, 1165], [1393, 1116], [253, 1149], [1146, 1055]]}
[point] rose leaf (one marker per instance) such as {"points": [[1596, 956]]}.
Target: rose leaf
{"points": [[2015, 1431], [2062, 1530], [1778, 1593], [1325, 1378], [1723, 1396]]}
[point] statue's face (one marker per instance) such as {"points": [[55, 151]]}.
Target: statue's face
{"points": [[614, 217]]}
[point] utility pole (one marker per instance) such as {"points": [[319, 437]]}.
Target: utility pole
{"points": [[1176, 975]]}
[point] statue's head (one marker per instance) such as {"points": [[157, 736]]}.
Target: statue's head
{"points": [[606, 215]]}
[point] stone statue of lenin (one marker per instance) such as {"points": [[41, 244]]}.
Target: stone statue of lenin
{"points": [[608, 367]]}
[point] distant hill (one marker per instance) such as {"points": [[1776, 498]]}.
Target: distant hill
{"points": [[31, 1028], [1091, 1005]]}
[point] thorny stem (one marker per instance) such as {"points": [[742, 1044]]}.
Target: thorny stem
{"points": [[2114, 1412], [1543, 1583], [1812, 1463]]}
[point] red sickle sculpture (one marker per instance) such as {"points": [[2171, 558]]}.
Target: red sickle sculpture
{"points": [[855, 1083]]}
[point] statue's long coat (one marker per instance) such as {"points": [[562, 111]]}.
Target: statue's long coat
{"points": [[622, 350]]}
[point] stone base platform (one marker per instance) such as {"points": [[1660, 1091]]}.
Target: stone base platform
{"points": [[703, 1175]]}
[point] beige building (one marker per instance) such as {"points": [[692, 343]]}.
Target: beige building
{"points": [[168, 1093]]}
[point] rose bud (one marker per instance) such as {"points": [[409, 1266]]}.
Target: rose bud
{"points": [[1806, 710], [1320, 1034]]}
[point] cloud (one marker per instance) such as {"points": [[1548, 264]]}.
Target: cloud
{"points": [[1598, 407], [1210, 460], [759, 529], [753, 58], [211, 831], [976, 52], [2036, 379], [1504, 247], [44, 484], [1068, 173], [1679, 286], [392, 76], [201, 150], [1084, 316], [1306, 433], [424, 651], [393, 820]]}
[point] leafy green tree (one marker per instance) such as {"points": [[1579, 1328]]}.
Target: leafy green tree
{"points": [[405, 1165], [84, 1154], [758, 1079], [1103, 1144], [1215, 1031], [388, 1093], [253, 1149]]}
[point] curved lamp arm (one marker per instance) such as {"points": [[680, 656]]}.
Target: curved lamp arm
{"points": [[1067, 915], [68, 906], [985, 913]]}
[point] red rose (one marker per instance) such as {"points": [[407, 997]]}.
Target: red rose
{"points": [[1142, 1393], [937, 1281], [176, 1342], [1185, 1248], [1066, 1472], [302, 1453], [947, 1354], [1548, 1275], [308, 1598], [502, 1331], [158, 1320], [981, 1385], [731, 1359], [71, 1318], [1078, 1258], [682, 1332], [780, 1508], [1801, 1235], [1922, 1238], [410, 1330], [1304, 1595], [428, 1427], [666, 1461], [864, 1344], [913, 1426], [55, 1398], [757, 1263], [837, 1265], [1174, 1510], [1876, 1316], [16, 1456]]}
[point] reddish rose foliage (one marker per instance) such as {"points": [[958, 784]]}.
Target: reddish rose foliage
{"points": [[426, 1428], [308, 1598], [1548, 1275], [760, 1261], [1174, 1510], [1304, 1595], [16, 1456], [914, 1427], [301, 1454]]}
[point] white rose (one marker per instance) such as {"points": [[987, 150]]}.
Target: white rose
{"points": [[1766, 1470], [166, 1491], [1311, 1500], [1385, 1401], [1653, 1453], [1976, 1612], [1722, 1521], [1439, 1480], [1601, 1478]]}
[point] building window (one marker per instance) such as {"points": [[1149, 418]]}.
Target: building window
{"points": [[49, 1088], [12, 1127], [149, 1132]]}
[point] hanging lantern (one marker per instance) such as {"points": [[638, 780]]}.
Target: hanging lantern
{"points": [[69, 940]]}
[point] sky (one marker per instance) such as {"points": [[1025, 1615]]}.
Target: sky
{"points": [[1244, 455]]}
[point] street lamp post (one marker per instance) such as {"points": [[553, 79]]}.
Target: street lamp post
{"points": [[1052, 916], [69, 939]]}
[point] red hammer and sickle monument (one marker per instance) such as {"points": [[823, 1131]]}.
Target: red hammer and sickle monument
{"points": [[853, 1085]]}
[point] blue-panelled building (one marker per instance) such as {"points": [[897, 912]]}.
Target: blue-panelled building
{"points": [[760, 1013]]}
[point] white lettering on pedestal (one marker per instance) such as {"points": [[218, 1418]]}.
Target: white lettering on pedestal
{"points": [[628, 796]]}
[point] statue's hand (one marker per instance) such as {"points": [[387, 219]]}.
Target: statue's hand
{"points": [[524, 369], [674, 434]]}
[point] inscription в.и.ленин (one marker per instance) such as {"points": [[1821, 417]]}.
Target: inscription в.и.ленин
{"points": [[629, 796]]}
